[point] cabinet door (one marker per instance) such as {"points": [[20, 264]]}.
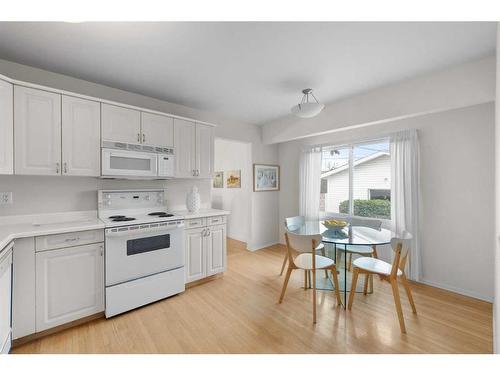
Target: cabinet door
{"points": [[120, 124], [37, 131], [216, 249], [69, 284], [6, 128], [81, 129], [5, 297], [195, 255], [204, 151], [24, 290], [157, 130], [185, 148]]}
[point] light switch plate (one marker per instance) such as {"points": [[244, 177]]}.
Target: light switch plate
{"points": [[6, 197]]}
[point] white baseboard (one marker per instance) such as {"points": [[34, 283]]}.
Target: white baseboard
{"points": [[255, 247], [464, 292]]}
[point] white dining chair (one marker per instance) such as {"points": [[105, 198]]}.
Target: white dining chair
{"points": [[308, 260], [388, 272], [297, 222], [364, 250]]}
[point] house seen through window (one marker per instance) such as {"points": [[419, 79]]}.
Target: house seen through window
{"points": [[356, 180]]}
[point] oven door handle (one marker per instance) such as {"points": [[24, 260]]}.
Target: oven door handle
{"points": [[144, 231]]}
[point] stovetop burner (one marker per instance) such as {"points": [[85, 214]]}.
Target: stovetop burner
{"points": [[160, 214], [116, 217], [123, 218]]}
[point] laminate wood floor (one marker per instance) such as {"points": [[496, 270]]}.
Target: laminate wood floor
{"points": [[239, 313]]}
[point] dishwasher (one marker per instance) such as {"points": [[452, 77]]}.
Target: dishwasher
{"points": [[5, 299]]}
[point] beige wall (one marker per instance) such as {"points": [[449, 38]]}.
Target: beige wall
{"points": [[234, 155]]}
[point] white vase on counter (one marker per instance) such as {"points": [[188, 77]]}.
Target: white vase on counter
{"points": [[193, 200]]}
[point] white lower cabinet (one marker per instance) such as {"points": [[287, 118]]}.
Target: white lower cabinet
{"points": [[23, 283], [69, 284], [195, 254], [216, 249], [5, 298], [205, 249]]}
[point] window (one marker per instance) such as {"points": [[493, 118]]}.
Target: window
{"points": [[356, 180], [379, 194]]}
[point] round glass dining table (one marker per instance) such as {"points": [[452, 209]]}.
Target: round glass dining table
{"points": [[342, 245]]}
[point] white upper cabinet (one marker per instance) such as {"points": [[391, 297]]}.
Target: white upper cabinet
{"points": [[6, 128], [37, 131], [81, 127], [194, 145], [120, 124], [185, 148], [204, 151], [157, 130]]}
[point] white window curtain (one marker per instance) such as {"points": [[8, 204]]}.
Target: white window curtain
{"points": [[405, 191], [310, 184]]}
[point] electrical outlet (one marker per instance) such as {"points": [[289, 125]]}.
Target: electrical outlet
{"points": [[6, 197]]}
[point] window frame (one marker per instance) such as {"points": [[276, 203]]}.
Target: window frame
{"points": [[387, 223]]}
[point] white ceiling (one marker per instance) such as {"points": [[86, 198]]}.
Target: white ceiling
{"points": [[252, 72]]}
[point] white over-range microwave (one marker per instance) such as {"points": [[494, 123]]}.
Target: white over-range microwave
{"points": [[125, 160]]}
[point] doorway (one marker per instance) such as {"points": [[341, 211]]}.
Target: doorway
{"points": [[233, 162]]}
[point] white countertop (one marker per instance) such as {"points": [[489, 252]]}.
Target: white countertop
{"points": [[12, 227], [39, 225], [204, 212]]}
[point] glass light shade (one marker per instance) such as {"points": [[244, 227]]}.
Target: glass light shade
{"points": [[307, 110]]}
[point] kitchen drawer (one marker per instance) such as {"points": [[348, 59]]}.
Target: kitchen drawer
{"points": [[216, 220], [195, 223], [57, 241]]}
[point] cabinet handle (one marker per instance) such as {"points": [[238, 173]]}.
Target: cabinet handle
{"points": [[138, 137], [65, 167], [143, 137], [57, 167]]}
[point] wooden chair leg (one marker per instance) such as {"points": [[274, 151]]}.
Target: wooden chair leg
{"points": [[323, 253], [305, 279], [349, 264], [336, 284], [309, 278], [287, 277], [284, 264], [367, 279], [314, 295], [397, 302], [353, 286], [406, 284], [374, 255]]}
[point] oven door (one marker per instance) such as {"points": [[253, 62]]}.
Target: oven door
{"points": [[134, 252], [129, 163]]}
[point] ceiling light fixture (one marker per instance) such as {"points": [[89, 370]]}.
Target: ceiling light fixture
{"points": [[306, 109]]}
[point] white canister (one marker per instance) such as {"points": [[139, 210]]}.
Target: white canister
{"points": [[193, 200]]}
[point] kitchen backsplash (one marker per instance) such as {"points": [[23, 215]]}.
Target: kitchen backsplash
{"points": [[43, 194]]}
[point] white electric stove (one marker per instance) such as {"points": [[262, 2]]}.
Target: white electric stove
{"points": [[144, 248]]}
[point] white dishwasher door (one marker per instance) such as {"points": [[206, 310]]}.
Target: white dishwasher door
{"points": [[5, 300]]}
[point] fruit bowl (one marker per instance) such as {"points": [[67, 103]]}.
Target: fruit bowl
{"points": [[335, 224]]}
